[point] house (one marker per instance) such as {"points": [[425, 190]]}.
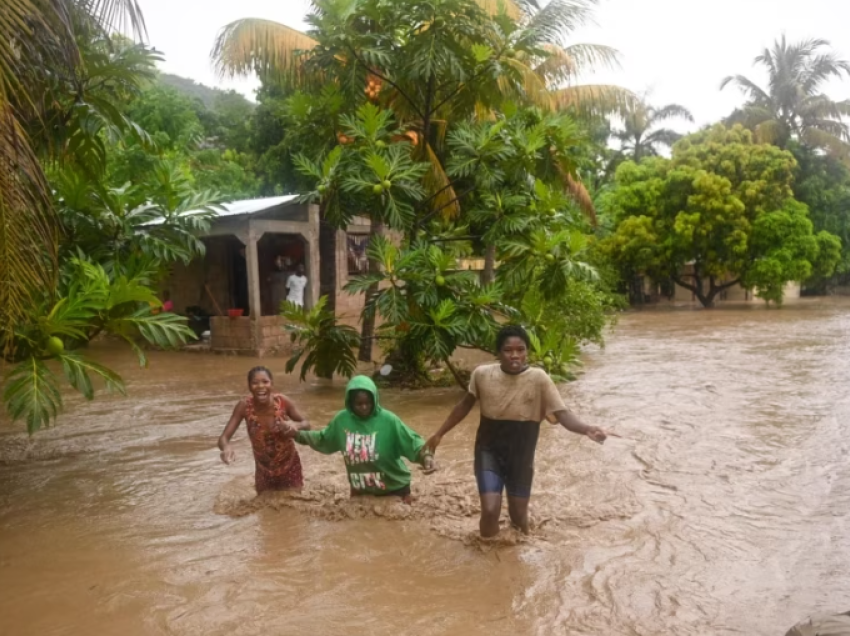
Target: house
{"points": [[238, 271]]}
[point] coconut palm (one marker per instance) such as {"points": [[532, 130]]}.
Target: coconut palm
{"points": [[38, 44], [793, 106], [640, 136]]}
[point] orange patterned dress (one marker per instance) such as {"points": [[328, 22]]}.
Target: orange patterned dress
{"points": [[278, 465]]}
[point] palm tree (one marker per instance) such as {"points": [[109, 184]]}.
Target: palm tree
{"points": [[640, 138], [442, 70], [793, 106], [38, 43], [529, 59]]}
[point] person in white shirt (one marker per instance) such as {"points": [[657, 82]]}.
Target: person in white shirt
{"points": [[296, 284]]}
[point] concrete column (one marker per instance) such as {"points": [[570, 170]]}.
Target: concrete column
{"points": [[254, 304], [311, 257]]}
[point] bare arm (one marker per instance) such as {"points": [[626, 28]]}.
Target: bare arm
{"points": [[301, 422], [227, 453], [574, 424], [460, 411]]}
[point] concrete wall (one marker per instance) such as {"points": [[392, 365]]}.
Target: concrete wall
{"points": [[185, 284], [239, 336]]}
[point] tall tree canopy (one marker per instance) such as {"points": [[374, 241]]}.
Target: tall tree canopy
{"points": [[793, 106], [722, 205]]}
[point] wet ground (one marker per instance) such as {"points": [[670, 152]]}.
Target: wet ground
{"points": [[725, 510]]}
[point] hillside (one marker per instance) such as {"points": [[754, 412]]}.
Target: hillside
{"points": [[192, 89]]}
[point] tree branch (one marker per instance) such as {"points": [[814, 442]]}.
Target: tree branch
{"points": [[460, 382]]}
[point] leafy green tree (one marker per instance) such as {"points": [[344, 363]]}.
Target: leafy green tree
{"points": [[88, 301], [79, 257], [724, 205], [793, 106], [162, 109], [448, 84], [325, 346], [46, 106], [823, 184]]}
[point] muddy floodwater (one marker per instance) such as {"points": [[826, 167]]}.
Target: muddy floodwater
{"points": [[725, 510]]}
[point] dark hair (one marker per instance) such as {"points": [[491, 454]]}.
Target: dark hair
{"points": [[512, 331], [253, 372]]}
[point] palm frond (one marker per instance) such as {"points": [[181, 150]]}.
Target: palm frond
{"points": [[672, 111], [253, 45], [562, 65], [596, 99], [836, 145], [120, 16], [495, 7], [437, 182], [556, 20], [579, 194], [533, 84], [746, 86], [27, 225]]}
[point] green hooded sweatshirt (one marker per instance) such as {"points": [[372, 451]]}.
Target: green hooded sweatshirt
{"points": [[372, 447]]}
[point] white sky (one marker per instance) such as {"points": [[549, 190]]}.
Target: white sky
{"points": [[680, 50]]}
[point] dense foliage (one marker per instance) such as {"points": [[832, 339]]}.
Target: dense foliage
{"points": [[83, 246], [724, 206]]}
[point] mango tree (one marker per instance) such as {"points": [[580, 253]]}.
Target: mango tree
{"points": [[722, 204]]}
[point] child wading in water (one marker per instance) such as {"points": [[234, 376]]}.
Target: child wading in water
{"points": [[272, 421], [514, 399], [372, 441]]}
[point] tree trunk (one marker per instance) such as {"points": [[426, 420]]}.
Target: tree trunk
{"points": [[489, 274], [367, 329], [706, 299], [327, 260]]}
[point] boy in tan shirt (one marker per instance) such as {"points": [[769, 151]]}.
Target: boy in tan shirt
{"points": [[514, 399]]}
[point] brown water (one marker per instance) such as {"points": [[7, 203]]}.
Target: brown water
{"points": [[726, 510]]}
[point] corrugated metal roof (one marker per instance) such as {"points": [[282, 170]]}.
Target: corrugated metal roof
{"points": [[253, 206], [245, 206]]}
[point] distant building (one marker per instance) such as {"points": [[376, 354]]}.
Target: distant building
{"points": [[238, 271]]}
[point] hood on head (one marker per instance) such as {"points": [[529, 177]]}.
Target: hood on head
{"points": [[362, 383]]}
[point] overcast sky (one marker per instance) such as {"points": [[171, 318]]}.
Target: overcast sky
{"points": [[680, 50]]}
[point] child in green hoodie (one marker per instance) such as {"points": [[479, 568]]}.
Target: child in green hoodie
{"points": [[372, 441]]}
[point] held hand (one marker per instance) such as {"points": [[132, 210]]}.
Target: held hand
{"points": [[228, 455], [286, 427], [433, 442], [429, 466]]}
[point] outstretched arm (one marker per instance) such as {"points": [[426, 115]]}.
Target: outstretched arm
{"points": [[460, 411], [326, 441], [227, 452], [572, 423]]}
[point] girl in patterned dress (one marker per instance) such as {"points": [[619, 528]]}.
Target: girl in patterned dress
{"points": [[272, 421]]}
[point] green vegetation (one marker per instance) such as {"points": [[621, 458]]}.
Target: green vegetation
{"points": [[439, 119], [456, 126], [724, 206], [81, 250]]}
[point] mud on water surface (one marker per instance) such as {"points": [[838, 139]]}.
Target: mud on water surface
{"points": [[726, 510]]}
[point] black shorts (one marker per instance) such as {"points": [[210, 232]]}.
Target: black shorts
{"points": [[504, 456]]}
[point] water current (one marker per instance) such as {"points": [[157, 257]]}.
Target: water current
{"points": [[725, 508]]}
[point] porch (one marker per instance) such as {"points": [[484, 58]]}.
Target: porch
{"points": [[234, 291]]}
